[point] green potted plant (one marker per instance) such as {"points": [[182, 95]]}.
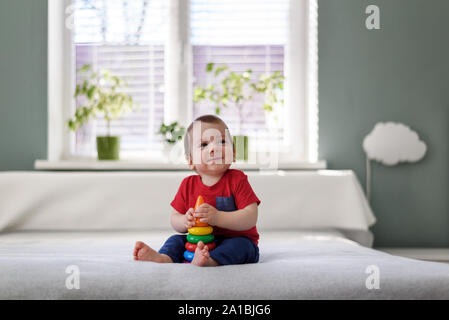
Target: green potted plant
{"points": [[272, 87], [236, 89], [100, 93], [171, 133]]}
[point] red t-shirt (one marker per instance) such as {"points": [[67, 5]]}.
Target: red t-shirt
{"points": [[232, 192]]}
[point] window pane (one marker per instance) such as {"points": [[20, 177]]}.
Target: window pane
{"points": [[260, 59], [243, 35], [236, 22], [127, 38]]}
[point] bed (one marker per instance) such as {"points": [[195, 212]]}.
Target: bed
{"points": [[71, 236]]}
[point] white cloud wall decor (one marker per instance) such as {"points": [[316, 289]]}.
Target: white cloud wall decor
{"points": [[391, 143]]}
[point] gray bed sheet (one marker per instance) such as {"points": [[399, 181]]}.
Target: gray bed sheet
{"points": [[293, 265]]}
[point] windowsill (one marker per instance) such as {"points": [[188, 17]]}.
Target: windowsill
{"points": [[143, 165]]}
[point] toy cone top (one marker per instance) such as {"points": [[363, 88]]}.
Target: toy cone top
{"points": [[198, 223], [199, 201]]}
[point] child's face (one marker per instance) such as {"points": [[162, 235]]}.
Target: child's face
{"points": [[211, 149]]}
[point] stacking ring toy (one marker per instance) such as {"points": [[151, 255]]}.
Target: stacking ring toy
{"points": [[185, 261], [192, 246], [195, 239], [200, 231], [198, 223], [188, 255]]}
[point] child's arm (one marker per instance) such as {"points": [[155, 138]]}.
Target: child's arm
{"points": [[181, 222], [239, 220]]}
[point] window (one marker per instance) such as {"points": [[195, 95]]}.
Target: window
{"points": [[128, 38], [161, 48], [243, 35]]}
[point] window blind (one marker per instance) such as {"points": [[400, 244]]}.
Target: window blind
{"points": [[129, 36], [126, 37], [249, 34], [236, 22], [120, 21]]}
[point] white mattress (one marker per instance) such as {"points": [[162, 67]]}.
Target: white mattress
{"points": [[293, 265]]}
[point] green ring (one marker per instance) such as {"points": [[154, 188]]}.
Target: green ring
{"points": [[195, 239]]}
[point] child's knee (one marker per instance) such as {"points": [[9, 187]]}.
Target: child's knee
{"points": [[236, 250], [177, 238], [242, 242], [252, 251]]}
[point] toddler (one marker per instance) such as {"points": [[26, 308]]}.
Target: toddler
{"points": [[230, 204]]}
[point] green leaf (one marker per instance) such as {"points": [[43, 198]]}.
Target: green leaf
{"points": [[247, 75], [84, 68], [220, 69], [267, 107], [77, 90], [90, 92], [209, 66]]}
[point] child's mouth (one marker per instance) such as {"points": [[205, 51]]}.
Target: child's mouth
{"points": [[215, 160]]}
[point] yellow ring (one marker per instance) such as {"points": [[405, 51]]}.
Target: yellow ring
{"points": [[200, 231]]}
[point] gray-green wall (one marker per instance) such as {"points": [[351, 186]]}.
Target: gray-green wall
{"points": [[398, 73], [23, 83]]}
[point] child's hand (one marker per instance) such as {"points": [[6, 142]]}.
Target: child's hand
{"points": [[206, 213], [189, 220]]}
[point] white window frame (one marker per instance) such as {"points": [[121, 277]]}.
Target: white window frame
{"points": [[301, 69], [59, 80]]}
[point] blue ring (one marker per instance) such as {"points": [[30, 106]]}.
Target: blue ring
{"points": [[188, 255]]}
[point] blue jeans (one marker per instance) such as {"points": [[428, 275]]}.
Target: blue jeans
{"points": [[236, 250]]}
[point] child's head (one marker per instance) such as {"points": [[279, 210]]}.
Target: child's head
{"points": [[208, 145]]}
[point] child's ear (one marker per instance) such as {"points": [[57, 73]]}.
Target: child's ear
{"points": [[190, 162]]}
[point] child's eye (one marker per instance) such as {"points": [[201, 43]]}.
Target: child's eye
{"points": [[204, 144], [223, 141]]}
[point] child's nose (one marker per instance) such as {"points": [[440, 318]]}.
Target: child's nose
{"points": [[212, 147]]}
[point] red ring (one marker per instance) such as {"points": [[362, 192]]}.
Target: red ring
{"points": [[192, 246]]}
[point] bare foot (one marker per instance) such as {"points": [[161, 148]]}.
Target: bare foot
{"points": [[143, 252], [202, 255]]}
